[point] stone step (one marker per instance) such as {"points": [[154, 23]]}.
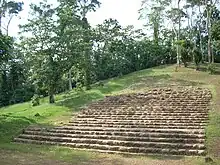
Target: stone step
{"points": [[145, 115], [163, 121], [147, 111], [188, 101], [133, 112], [115, 142], [119, 133], [173, 100], [192, 131], [167, 108], [136, 126], [91, 120], [123, 138], [140, 112], [145, 118], [122, 113], [147, 97], [151, 97], [112, 149], [137, 123], [156, 100]]}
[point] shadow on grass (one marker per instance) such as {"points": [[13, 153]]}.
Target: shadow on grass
{"points": [[204, 68], [11, 126], [18, 118], [79, 99], [111, 87]]}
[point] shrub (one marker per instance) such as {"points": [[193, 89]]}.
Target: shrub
{"points": [[79, 86], [35, 100], [211, 69]]}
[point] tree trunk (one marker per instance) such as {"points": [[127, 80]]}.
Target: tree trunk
{"points": [[51, 98], [210, 33], [70, 80], [200, 44], [87, 71], [156, 33], [200, 37], [209, 49], [213, 58], [87, 60], [51, 94], [8, 24], [0, 23], [178, 37], [208, 24]]}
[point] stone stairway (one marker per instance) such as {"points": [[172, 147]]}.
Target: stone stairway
{"points": [[162, 121]]}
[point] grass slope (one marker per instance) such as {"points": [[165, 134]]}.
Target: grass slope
{"points": [[15, 118]]}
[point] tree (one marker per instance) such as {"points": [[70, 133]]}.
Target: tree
{"points": [[78, 10], [154, 16], [86, 6], [210, 5], [216, 38], [4, 92], [176, 15], [6, 44], [9, 9], [71, 34], [42, 46]]}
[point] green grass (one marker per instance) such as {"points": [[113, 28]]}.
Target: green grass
{"points": [[17, 117]]}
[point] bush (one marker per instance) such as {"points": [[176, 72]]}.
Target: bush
{"points": [[211, 69], [79, 86], [35, 100]]}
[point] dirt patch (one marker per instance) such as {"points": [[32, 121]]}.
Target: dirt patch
{"points": [[17, 158], [139, 161], [215, 147]]}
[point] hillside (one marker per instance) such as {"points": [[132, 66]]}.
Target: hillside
{"points": [[17, 117]]}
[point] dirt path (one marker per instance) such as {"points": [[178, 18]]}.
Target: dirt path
{"points": [[132, 161], [17, 158]]}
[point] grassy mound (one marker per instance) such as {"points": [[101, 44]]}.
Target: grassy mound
{"points": [[15, 118]]}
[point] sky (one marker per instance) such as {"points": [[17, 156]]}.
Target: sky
{"points": [[125, 11]]}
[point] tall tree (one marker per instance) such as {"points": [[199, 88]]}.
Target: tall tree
{"points": [[210, 5], [154, 16], [8, 9], [43, 45], [86, 6], [177, 15], [80, 8]]}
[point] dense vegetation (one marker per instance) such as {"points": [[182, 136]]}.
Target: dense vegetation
{"points": [[58, 49]]}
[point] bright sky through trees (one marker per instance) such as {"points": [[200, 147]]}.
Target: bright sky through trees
{"points": [[125, 11]]}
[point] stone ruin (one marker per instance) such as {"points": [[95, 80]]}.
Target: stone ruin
{"points": [[161, 121]]}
